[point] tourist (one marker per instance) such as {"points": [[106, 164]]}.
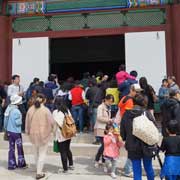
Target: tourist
{"points": [[133, 145], [171, 110], [125, 87], [115, 92], [63, 143], [112, 144], [163, 92], [172, 83], [85, 80], [12, 124], [39, 125], [125, 104], [52, 83], [77, 98], [95, 97], [103, 117], [17, 89], [32, 87], [122, 76], [64, 94], [149, 93], [171, 146]]}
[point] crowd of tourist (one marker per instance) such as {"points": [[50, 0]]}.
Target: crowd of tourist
{"points": [[98, 104]]}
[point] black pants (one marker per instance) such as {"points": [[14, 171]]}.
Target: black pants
{"points": [[100, 150], [66, 154]]}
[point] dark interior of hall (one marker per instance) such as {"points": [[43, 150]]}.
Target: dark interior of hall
{"points": [[74, 56]]}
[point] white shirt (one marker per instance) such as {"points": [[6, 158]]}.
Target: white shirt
{"points": [[15, 89]]}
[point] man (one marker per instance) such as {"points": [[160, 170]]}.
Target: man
{"points": [[53, 83], [126, 103], [16, 89], [95, 96], [172, 83], [77, 98]]}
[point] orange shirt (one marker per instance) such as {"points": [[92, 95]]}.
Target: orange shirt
{"points": [[125, 105]]}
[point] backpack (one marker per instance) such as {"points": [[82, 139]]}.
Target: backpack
{"points": [[69, 128], [145, 130]]}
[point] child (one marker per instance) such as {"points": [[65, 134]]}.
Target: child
{"points": [[112, 146], [171, 147]]}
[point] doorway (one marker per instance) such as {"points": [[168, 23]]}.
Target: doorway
{"points": [[71, 57]]}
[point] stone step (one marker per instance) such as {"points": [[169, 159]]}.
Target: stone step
{"points": [[81, 145]]}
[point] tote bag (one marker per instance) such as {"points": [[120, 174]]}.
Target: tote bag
{"points": [[145, 130]]}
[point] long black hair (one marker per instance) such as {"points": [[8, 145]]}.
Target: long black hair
{"points": [[60, 104]]}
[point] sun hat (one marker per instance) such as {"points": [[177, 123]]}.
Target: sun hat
{"points": [[137, 87], [15, 99]]}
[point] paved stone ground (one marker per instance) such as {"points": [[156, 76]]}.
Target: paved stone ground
{"points": [[84, 169]]}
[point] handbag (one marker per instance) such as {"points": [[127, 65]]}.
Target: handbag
{"points": [[56, 147], [6, 136], [150, 151], [145, 130]]}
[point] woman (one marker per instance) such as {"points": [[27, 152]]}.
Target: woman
{"points": [[12, 124], [134, 145], [150, 94], [103, 117], [64, 144], [39, 125]]}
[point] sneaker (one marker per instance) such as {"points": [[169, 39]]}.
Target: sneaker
{"points": [[105, 170], [24, 167], [65, 172], [40, 176], [96, 165], [128, 175], [71, 168], [113, 175]]}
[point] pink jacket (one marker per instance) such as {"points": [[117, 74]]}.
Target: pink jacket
{"points": [[112, 145], [121, 76]]}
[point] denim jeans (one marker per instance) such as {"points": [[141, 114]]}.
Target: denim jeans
{"points": [[128, 166], [93, 119], [110, 162], [137, 168], [77, 113]]}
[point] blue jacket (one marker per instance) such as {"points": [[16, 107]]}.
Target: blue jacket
{"points": [[13, 119], [163, 94]]}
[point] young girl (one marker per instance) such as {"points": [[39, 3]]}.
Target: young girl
{"points": [[112, 144], [171, 147]]}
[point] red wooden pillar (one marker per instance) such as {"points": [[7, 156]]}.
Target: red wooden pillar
{"points": [[4, 48], [175, 9]]}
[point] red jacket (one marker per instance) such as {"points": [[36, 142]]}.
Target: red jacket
{"points": [[77, 96]]}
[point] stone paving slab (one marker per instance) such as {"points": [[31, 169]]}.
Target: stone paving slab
{"points": [[84, 169]]}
